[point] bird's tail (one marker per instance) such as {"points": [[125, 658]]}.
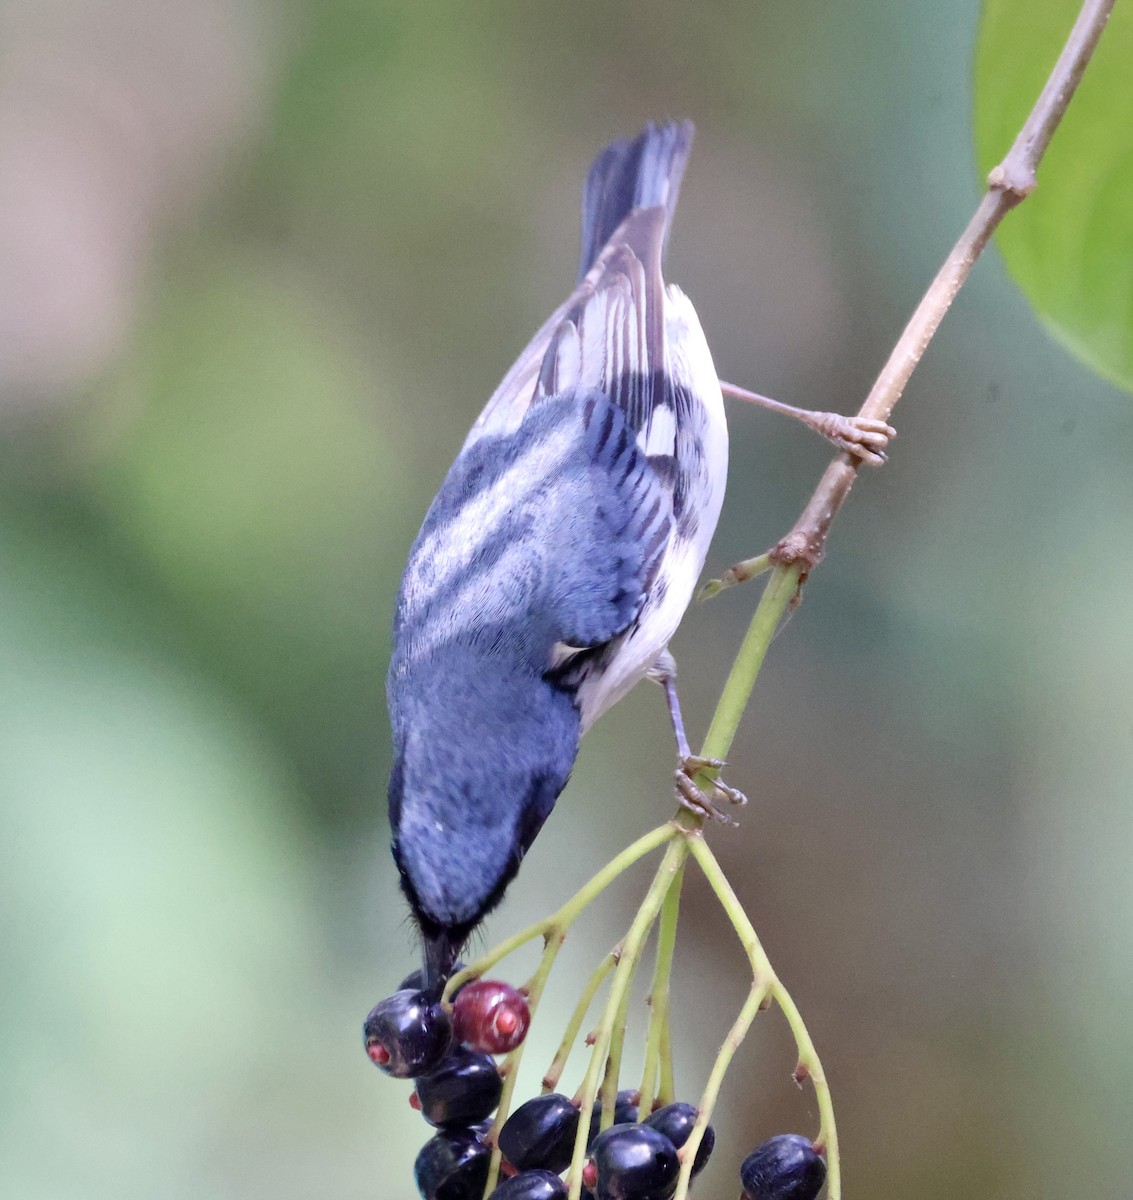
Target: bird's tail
{"points": [[644, 173]]}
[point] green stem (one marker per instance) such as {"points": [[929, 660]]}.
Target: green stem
{"points": [[667, 1092], [741, 679], [732, 1042], [510, 1070], [614, 1063], [561, 920], [558, 1063], [553, 930], [659, 991], [675, 855], [763, 975], [740, 572]]}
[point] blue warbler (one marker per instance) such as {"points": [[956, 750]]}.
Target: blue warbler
{"points": [[560, 553]]}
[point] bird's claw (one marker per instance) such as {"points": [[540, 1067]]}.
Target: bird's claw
{"points": [[863, 437], [704, 801]]}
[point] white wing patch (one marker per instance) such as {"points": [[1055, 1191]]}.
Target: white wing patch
{"points": [[660, 435]]}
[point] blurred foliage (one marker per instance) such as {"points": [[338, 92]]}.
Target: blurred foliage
{"points": [[271, 431], [1070, 245], [284, 253]]}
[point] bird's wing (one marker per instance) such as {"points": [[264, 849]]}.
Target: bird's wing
{"points": [[604, 520], [546, 536]]}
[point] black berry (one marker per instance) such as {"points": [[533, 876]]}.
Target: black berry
{"points": [[786, 1167], [491, 1016], [532, 1185], [675, 1121], [464, 1089], [453, 1165], [541, 1134], [625, 1111], [407, 1034], [632, 1162]]}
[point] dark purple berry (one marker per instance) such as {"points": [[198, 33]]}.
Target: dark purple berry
{"points": [[532, 1185], [407, 1034], [786, 1167], [675, 1121], [491, 1016], [464, 1089], [625, 1111], [453, 1165], [632, 1162], [541, 1134]]}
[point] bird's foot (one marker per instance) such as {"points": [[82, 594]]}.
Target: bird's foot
{"points": [[705, 800], [863, 437]]}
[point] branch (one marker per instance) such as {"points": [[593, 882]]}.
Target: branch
{"points": [[1008, 185], [802, 549]]}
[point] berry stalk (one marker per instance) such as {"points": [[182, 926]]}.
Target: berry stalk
{"points": [[533, 989], [560, 921], [764, 983], [755, 999], [612, 1072], [570, 1034], [675, 855], [656, 1036]]}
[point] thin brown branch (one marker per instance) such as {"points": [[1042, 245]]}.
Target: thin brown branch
{"points": [[1017, 171], [1008, 185]]}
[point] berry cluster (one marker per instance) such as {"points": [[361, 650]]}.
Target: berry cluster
{"points": [[457, 1087], [628, 1161], [457, 1084]]}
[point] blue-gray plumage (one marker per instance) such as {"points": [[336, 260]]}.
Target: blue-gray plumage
{"points": [[559, 555]]}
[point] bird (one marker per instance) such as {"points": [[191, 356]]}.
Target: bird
{"points": [[560, 553]]}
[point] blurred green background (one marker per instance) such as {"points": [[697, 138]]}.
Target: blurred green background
{"points": [[260, 266]]}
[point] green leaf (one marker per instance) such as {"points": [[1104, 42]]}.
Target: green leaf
{"points": [[1070, 246]]}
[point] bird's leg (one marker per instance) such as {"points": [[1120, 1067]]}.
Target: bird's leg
{"points": [[688, 792], [862, 437], [664, 672]]}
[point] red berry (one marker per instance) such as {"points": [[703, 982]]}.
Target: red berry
{"points": [[490, 1016]]}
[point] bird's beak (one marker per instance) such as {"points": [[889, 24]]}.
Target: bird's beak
{"points": [[441, 950]]}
